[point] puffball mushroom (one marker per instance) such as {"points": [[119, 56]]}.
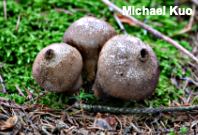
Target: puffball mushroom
{"points": [[88, 35], [58, 67], [127, 69]]}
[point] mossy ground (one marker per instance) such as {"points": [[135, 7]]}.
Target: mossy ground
{"points": [[41, 25]]}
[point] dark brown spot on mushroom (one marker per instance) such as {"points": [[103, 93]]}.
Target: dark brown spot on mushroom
{"points": [[144, 54], [49, 54]]}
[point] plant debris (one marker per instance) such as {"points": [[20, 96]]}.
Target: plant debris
{"points": [[41, 119], [28, 26]]}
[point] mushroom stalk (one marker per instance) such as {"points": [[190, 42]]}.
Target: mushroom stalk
{"points": [[88, 35]]}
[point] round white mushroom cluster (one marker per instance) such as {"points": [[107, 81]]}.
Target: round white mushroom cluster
{"points": [[126, 67]]}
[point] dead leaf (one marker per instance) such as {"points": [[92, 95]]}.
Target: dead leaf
{"points": [[11, 122], [21, 133], [125, 20], [168, 116], [181, 118], [105, 122]]}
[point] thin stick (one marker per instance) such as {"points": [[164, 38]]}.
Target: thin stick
{"points": [[63, 10], [189, 26], [9, 106], [127, 130], [2, 99], [104, 109], [20, 92], [60, 124], [18, 21], [2, 84], [44, 130], [83, 116], [195, 2], [5, 10], [153, 31], [36, 98], [28, 92], [122, 29], [72, 106], [3, 116]]}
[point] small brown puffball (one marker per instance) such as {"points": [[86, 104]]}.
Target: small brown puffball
{"points": [[88, 35], [58, 68], [127, 69]]}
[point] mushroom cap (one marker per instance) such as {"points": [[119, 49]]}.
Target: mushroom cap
{"points": [[88, 35], [127, 69], [58, 67]]}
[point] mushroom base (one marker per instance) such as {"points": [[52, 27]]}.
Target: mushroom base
{"points": [[76, 87], [90, 68], [101, 92], [98, 91]]}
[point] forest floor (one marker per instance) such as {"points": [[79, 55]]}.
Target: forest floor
{"points": [[27, 26]]}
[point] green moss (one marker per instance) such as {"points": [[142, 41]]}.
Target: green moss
{"points": [[41, 25]]}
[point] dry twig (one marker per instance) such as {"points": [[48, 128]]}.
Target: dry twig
{"points": [[122, 29], [10, 106], [20, 92], [104, 109], [153, 31], [63, 10], [189, 26], [2, 84], [195, 2], [18, 21]]}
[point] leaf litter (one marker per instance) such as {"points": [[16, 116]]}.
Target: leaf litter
{"points": [[35, 118]]}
